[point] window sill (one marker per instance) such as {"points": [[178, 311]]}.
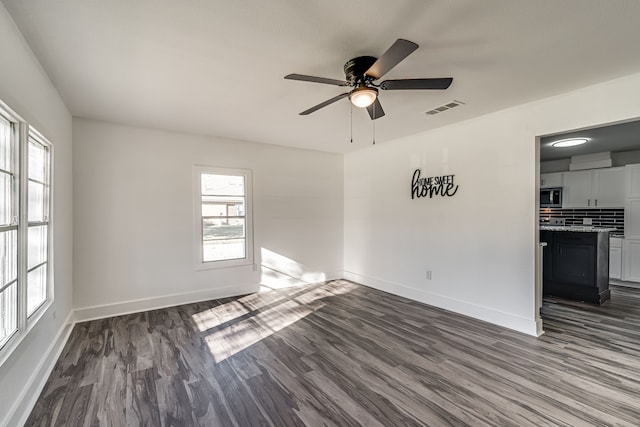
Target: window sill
{"points": [[215, 265]]}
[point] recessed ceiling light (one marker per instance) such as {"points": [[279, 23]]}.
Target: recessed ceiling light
{"points": [[569, 142]]}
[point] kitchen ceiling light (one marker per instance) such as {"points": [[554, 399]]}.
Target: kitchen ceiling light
{"points": [[363, 96], [569, 142]]}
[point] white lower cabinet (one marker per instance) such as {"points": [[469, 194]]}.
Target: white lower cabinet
{"points": [[615, 258], [631, 260]]}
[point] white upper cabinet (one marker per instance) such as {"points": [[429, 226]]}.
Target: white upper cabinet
{"points": [[632, 219], [552, 179], [609, 190], [594, 188], [578, 186], [633, 180]]}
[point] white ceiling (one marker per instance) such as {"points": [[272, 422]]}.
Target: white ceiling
{"points": [[217, 67]]}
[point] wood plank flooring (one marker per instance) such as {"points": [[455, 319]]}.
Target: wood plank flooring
{"points": [[340, 354]]}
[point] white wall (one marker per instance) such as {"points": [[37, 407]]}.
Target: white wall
{"points": [[27, 90], [134, 216], [622, 158], [560, 165], [480, 244]]}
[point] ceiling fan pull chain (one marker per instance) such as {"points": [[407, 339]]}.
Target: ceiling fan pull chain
{"points": [[351, 123], [374, 124]]}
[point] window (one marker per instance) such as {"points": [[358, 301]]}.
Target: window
{"points": [[223, 225], [25, 189], [38, 223], [8, 231]]}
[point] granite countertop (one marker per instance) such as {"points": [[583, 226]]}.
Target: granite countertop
{"points": [[578, 228]]}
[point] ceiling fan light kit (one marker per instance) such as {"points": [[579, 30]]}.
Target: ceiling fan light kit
{"points": [[363, 96], [363, 71]]}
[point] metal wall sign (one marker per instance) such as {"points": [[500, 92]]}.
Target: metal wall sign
{"points": [[443, 186]]}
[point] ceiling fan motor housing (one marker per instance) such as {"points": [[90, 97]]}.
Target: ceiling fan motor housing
{"points": [[355, 68]]}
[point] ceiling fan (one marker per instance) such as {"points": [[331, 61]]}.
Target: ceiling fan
{"points": [[363, 71]]}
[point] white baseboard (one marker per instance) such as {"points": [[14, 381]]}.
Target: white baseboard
{"points": [[624, 283], [334, 275], [507, 320], [539, 328], [29, 395], [145, 304]]}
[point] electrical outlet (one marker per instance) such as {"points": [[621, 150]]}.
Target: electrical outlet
{"points": [[428, 274]]}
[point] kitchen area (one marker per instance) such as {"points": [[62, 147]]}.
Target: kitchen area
{"points": [[590, 212]]}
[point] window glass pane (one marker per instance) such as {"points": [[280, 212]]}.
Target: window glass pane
{"points": [[37, 246], [36, 208], [223, 208], [222, 185], [8, 312], [36, 288], [222, 228], [8, 257], [37, 161], [5, 145], [6, 196], [219, 250]]}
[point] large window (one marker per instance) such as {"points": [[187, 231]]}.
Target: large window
{"points": [[222, 217], [25, 189], [8, 230], [38, 223]]}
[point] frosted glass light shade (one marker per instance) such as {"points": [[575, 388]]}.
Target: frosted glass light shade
{"points": [[363, 96]]}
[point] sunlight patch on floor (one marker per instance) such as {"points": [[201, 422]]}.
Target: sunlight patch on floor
{"points": [[218, 315], [245, 321], [237, 336]]}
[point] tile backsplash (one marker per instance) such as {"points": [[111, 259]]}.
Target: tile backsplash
{"points": [[599, 217]]}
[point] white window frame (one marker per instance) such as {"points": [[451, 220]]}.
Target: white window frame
{"points": [[21, 134], [197, 218], [40, 139]]}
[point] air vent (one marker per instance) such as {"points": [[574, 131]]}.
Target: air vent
{"points": [[444, 107]]}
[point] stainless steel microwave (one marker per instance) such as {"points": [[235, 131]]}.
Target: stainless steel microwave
{"points": [[551, 197]]}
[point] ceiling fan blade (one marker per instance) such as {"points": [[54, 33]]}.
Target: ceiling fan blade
{"points": [[392, 57], [375, 110], [314, 79], [416, 84], [324, 104]]}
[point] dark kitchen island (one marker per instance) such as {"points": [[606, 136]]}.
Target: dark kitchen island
{"points": [[576, 263]]}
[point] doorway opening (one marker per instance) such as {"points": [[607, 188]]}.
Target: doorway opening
{"points": [[588, 252]]}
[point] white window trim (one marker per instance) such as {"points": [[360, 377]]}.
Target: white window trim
{"points": [[26, 323], [199, 264]]}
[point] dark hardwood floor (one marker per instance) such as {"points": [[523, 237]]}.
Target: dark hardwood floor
{"points": [[340, 354]]}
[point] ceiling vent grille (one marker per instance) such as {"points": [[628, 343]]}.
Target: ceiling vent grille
{"points": [[444, 107]]}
